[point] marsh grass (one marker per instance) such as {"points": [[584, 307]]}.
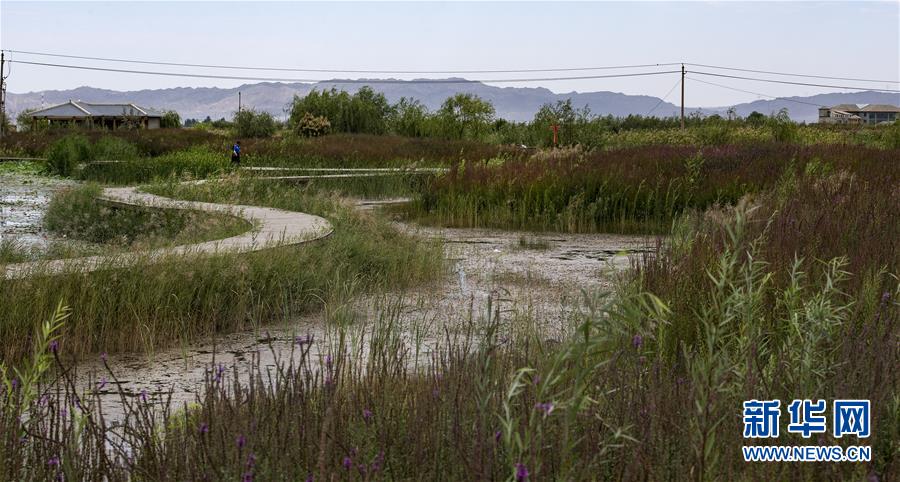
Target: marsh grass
{"points": [[78, 213], [195, 162], [374, 187], [639, 190], [498, 401], [183, 298]]}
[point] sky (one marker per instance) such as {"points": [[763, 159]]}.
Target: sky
{"points": [[843, 39]]}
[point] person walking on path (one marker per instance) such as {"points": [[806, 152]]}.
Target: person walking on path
{"points": [[236, 154]]}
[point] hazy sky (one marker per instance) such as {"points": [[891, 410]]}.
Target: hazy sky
{"points": [[846, 39]]}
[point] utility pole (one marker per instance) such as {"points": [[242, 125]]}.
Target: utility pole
{"points": [[239, 102], [2, 91], [682, 96]]}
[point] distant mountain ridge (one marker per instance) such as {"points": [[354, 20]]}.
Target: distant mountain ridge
{"points": [[512, 103]]}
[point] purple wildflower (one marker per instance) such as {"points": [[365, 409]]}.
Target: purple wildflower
{"points": [[101, 383], [367, 414], [219, 371], [309, 478], [144, 395], [521, 472], [103, 357], [54, 461], [251, 461], [303, 340], [536, 379], [497, 436], [378, 461], [328, 361], [347, 463], [204, 428], [637, 341], [248, 477], [546, 407], [54, 346], [241, 441]]}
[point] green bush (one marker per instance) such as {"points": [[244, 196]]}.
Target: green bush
{"points": [[170, 120], [65, 154], [249, 123], [110, 148]]}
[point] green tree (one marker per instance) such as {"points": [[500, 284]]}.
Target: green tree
{"points": [[409, 117], [466, 116], [170, 120], [366, 111], [756, 119], [250, 123]]}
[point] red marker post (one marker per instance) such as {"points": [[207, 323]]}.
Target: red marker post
{"points": [[555, 128]]}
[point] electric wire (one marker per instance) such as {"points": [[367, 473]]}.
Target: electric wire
{"points": [[755, 93], [348, 71], [776, 81], [663, 99], [346, 81], [791, 74]]}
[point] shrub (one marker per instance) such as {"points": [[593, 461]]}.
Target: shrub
{"points": [[170, 120], [313, 126], [249, 123], [64, 155], [109, 148], [782, 127]]}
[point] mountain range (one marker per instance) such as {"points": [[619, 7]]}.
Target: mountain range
{"points": [[511, 103]]}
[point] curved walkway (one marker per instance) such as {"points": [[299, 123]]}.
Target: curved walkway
{"points": [[271, 227]]}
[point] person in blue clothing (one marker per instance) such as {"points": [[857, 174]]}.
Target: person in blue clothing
{"points": [[236, 154]]}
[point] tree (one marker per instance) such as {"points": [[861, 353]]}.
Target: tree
{"points": [[170, 120], [756, 119], [466, 115], [249, 123], [408, 118], [366, 111], [24, 121]]}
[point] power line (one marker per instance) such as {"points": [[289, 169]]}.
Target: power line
{"points": [[343, 71], [794, 83], [663, 99], [792, 74], [345, 81], [756, 93]]}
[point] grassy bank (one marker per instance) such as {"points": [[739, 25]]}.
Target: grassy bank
{"points": [[626, 191], [648, 388], [183, 298]]}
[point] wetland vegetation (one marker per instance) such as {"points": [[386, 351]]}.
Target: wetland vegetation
{"points": [[775, 275]]}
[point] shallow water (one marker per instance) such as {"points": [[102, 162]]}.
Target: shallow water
{"points": [[23, 201], [488, 271]]}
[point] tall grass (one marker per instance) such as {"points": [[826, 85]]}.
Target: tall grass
{"points": [[627, 191], [77, 213], [617, 400], [187, 297], [196, 162]]}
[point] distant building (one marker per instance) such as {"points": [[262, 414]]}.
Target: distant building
{"points": [[854, 114], [101, 116]]}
